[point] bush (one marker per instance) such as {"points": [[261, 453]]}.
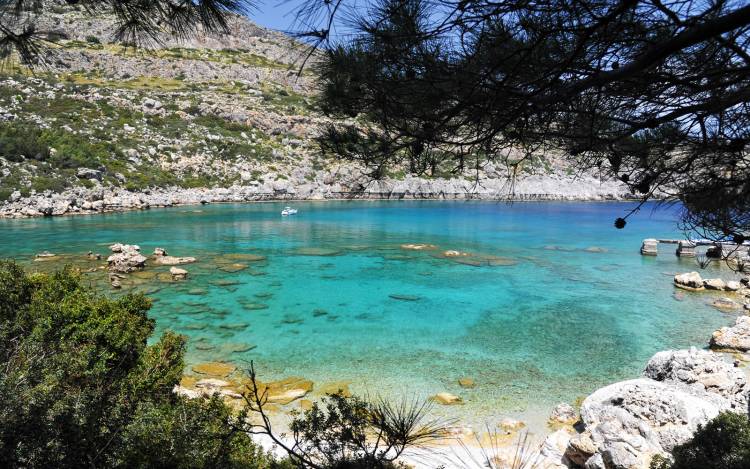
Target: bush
{"points": [[723, 443], [17, 140], [80, 387], [93, 40]]}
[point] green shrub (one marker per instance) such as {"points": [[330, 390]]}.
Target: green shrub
{"points": [[93, 40], [80, 387], [723, 443], [22, 140]]}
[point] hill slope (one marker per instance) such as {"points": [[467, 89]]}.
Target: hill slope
{"points": [[217, 118]]}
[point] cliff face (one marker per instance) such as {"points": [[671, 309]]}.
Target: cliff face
{"points": [[229, 114]]}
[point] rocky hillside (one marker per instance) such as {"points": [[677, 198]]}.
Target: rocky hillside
{"points": [[102, 126]]}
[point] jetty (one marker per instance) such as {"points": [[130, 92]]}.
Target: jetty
{"points": [[689, 247]]}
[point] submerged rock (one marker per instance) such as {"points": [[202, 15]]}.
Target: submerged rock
{"points": [[736, 337], [446, 398], [418, 247], [400, 297], [311, 251], [725, 304], [466, 382], [214, 369], [172, 260]]}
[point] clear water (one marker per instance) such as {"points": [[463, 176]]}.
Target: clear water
{"points": [[559, 323]]}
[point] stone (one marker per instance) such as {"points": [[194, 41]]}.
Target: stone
{"points": [[400, 297], [160, 252], [212, 383], [736, 337], [45, 255], [626, 424], [172, 260], [703, 370], [336, 387], [178, 274], [511, 424], [689, 281], [725, 304], [418, 247], [87, 173], [126, 258], [287, 390], [445, 398], [649, 247], [466, 383], [732, 285], [552, 452], [214, 369], [563, 413], [714, 284]]}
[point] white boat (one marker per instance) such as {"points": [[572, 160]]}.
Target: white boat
{"points": [[288, 211]]}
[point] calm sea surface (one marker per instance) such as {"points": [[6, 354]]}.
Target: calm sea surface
{"points": [[550, 303]]}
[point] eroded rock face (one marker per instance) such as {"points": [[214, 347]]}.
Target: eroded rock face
{"points": [[736, 337], [629, 422], [703, 370]]}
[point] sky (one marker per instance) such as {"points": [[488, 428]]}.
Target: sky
{"points": [[274, 14]]}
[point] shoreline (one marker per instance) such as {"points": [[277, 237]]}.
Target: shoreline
{"points": [[83, 201]]}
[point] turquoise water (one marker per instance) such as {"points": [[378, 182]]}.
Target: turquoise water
{"points": [[559, 322]]}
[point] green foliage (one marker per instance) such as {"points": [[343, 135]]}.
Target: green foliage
{"points": [[80, 387], [723, 443], [22, 140]]}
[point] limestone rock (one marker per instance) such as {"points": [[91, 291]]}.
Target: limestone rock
{"points": [[726, 304], [732, 285], [511, 425], [564, 413], [736, 337], [172, 260], [126, 258], [214, 369], [627, 423], [714, 284], [466, 382], [446, 398], [177, 273], [689, 281], [702, 370]]}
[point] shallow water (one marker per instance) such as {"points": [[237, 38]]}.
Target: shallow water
{"points": [[336, 298]]}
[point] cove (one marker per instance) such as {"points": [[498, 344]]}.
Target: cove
{"points": [[538, 303]]}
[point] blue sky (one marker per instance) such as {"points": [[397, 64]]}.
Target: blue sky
{"points": [[274, 14]]}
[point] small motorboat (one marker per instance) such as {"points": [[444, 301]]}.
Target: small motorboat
{"points": [[288, 211]]}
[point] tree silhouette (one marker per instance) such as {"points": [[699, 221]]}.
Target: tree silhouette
{"points": [[654, 93]]}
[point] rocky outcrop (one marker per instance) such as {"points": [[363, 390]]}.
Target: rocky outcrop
{"points": [[627, 423], [126, 258], [178, 274], [110, 199], [736, 337], [689, 281]]}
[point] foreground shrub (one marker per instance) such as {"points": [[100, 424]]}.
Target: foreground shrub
{"points": [[723, 443], [347, 432], [80, 387]]}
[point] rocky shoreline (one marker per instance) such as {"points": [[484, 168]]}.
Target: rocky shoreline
{"points": [[102, 199]]}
